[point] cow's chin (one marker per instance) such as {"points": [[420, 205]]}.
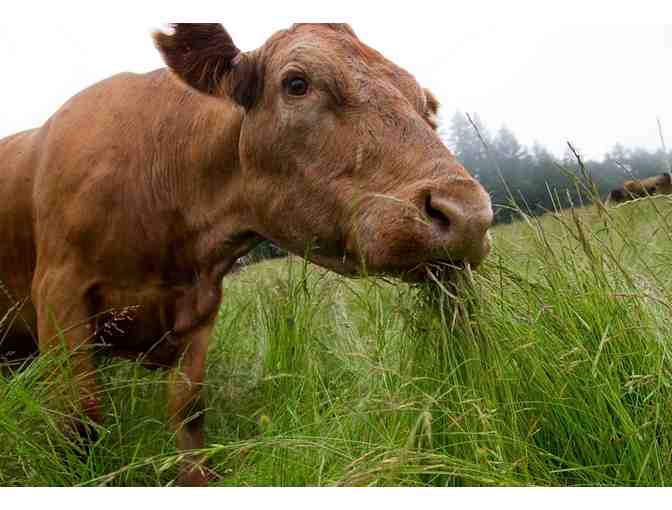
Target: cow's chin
{"points": [[344, 265], [432, 273], [435, 272]]}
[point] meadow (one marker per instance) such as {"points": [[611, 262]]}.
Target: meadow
{"points": [[550, 367]]}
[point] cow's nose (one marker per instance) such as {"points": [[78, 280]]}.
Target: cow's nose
{"points": [[440, 211], [460, 224]]}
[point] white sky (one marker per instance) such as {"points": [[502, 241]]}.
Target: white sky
{"points": [[594, 85]]}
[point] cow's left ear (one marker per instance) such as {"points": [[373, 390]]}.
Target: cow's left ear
{"points": [[204, 56], [432, 108]]}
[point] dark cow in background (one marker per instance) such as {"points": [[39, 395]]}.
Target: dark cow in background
{"points": [[134, 200], [656, 185]]}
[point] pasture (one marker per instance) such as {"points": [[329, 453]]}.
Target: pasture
{"points": [[551, 367]]}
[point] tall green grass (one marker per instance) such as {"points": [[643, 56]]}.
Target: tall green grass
{"points": [[550, 367]]}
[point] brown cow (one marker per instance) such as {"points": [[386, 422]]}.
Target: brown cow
{"points": [[656, 185], [134, 200]]}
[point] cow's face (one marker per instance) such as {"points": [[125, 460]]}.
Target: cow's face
{"points": [[338, 148]]}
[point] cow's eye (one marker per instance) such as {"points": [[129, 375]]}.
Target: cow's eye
{"points": [[297, 86]]}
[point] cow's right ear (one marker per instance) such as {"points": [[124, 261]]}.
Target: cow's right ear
{"points": [[204, 56]]}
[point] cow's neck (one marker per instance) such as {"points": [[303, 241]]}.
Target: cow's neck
{"points": [[198, 176]]}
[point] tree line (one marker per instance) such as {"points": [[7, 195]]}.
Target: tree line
{"points": [[532, 179]]}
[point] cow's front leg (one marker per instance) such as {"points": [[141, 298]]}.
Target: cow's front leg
{"points": [[64, 315], [186, 405]]}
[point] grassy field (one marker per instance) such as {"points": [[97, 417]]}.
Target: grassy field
{"points": [[551, 367]]}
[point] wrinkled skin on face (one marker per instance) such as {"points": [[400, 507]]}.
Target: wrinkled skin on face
{"points": [[340, 156]]}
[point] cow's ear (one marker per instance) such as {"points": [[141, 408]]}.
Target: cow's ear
{"points": [[665, 179], [204, 56]]}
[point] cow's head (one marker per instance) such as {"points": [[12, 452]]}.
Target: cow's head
{"points": [[617, 195], [339, 151]]}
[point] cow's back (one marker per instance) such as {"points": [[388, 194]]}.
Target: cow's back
{"points": [[102, 168], [18, 157], [89, 186], [39, 170]]}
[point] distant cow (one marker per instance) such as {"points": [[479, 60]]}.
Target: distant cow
{"points": [[134, 200], [657, 185]]}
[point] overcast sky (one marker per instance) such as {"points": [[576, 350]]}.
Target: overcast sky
{"points": [[594, 85]]}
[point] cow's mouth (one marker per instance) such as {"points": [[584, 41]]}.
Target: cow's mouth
{"points": [[433, 272], [442, 271]]}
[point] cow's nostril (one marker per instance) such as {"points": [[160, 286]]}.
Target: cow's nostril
{"points": [[436, 214]]}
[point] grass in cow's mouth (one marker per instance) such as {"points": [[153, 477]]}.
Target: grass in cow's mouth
{"points": [[550, 365]]}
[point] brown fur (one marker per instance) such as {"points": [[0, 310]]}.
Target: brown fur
{"points": [[120, 216], [656, 185]]}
